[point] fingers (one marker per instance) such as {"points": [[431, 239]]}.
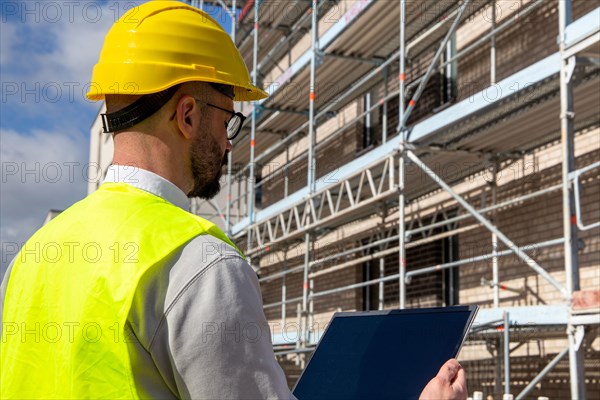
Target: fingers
{"points": [[460, 384], [450, 383], [449, 370], [460, 375]]}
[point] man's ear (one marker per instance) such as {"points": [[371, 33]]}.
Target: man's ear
{"points": [[187, 116]]}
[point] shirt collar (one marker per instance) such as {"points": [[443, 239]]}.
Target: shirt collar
{"points": [[149, 182]]}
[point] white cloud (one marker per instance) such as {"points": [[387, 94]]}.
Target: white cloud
{"points": [[53, 47], [39, 172], [7, 40]]}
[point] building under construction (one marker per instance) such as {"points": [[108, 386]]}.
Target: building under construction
{"points": [[421, 154]]}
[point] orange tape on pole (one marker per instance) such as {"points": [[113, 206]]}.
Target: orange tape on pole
{"points": [[402, 77], [252, 143], [312, 96]]}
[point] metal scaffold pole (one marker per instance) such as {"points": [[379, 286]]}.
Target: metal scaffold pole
{"points": [[542, 374], [495, 269], [311, 170], [401, 173], [493, 46], [384, 129], [569, 218], [506, 343], [232, 14], [251, 172]]}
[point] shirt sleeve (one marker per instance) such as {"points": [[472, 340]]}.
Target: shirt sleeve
{"points": [[217, 338]]}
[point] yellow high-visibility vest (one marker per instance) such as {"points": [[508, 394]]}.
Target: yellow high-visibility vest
{"points": [[70, 291]]}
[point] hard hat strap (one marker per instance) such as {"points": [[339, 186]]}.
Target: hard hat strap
{"points": [[136, 112]]}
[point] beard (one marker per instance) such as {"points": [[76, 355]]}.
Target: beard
{"points": [[207, 164]]}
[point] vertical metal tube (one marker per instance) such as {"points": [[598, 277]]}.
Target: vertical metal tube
{"points": [[367, 267], [305, 287], [240, 203], [368, 119], [448, 91], [401, 163], [233, 19], [384, 109], [311, 309], [311, 105], [497, 368], [284, 292], [578, 391], [310, 167], [506, 353], [286, 178], [453, 71], [251, 173], [493, 46], [451, 284], [228, 224], [566, 122], [402, 67], [402, 227], [300, 357], [381, 287], [495, 277]]}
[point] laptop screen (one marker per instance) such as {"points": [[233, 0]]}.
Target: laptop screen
{"points": [[383, 354]]}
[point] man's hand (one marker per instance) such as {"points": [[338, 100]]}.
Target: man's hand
{"points": [[449, 384]]}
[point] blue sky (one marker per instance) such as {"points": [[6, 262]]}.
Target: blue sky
{"points": [[47, 51]]}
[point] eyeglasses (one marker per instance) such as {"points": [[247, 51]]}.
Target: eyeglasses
{"points": [[235, 122]]}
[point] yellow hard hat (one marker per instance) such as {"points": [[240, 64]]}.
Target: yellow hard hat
{"points": [[160, 44]]}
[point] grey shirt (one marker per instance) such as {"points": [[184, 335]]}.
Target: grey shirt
{"points": [[196, 329]]}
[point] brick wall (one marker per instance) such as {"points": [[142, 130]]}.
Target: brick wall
{"points": [[329, 158], [530, 39]]}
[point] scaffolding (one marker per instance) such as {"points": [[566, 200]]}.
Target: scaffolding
{"points": [[359, 50]]}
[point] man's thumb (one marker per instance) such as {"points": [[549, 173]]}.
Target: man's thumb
{"points": [[449, 370]]}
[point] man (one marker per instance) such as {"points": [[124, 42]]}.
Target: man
{"points": [[164, 305]]}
